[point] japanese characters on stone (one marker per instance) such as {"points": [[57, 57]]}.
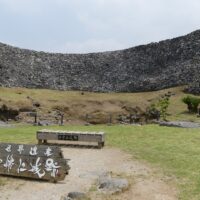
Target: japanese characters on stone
{"points": [[15, 162]]}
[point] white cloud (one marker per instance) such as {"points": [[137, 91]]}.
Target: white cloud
{"points": [[107, 24], [137, 21]]}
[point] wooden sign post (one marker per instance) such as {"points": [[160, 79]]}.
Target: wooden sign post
{"points": [[33, 161]]}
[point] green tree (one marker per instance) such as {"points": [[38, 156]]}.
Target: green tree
{"points": [[192, 103]]}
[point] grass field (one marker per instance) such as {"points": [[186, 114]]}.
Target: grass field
{"points": [[175, 151]]}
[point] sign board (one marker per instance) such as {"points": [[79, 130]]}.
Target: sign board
{"points": [[68, 137], [33, 161], [45, 135]]}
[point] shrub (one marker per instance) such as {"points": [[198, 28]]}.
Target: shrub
{"points": [[152, 112], [163, 105], [192, 103], [159, 109]]}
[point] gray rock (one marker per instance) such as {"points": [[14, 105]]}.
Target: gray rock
{"points": [[143, 68], [112, 185], [77, 195], [74, 196], [181, 124], [44, 123], [4, 124]]}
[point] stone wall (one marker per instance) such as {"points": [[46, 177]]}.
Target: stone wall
{"points": [[149, 67]]}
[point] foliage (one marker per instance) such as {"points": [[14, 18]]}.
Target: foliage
{"points": [[192, 103], [163, 105], [160, 108], [152, 112]]}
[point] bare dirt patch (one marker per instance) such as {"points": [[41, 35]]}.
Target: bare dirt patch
{"points": [[86, 167]]}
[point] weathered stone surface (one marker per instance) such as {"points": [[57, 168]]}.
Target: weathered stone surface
{"points": [[75, 196], [112, 185], [149, 67], [33, 161], [44, 123], [193, 89], [8, 113], [4, 124], [180, 124]]}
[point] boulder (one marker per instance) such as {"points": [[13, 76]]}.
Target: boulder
{"points": [[74, 196], [4, 124], [112, 185], [44, 123]]}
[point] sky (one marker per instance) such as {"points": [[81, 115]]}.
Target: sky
{"points": [[83, 26]]}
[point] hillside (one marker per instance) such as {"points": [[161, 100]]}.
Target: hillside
{"points": [[149, 67], [76, 105]]}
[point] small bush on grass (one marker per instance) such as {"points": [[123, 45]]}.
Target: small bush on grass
{"points": [[163, 105], [159, 109], [192, 103]]}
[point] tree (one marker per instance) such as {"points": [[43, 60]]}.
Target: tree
{"points": [[192, 103]]}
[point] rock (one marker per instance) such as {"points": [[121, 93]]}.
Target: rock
{"points": [[74, 196], [194, 86], [181, 124], [112, 185], [7, 113], [149, 67], [77, 195], [4, 124], [36, 104], [44, 123]]}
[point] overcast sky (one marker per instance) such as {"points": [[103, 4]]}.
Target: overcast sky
{"points": [[81, 26]]}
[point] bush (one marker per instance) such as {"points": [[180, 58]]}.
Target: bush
{"points": [[192, 103], [159, 109], [163, 105], [152, 113]]}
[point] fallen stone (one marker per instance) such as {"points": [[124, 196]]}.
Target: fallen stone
{"points": [[74, 196], [44, 123], [4, 124], [112, 185], [181, 124]]}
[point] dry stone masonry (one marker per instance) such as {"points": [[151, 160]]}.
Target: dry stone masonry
{"points": [[149, 67]]}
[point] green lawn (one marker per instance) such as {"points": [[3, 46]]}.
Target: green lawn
{"points": [[174, 150]]}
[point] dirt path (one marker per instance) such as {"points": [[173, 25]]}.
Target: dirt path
{"points": [[86, 166]]}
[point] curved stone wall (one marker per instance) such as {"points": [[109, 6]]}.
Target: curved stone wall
{"points": [[149, 67]]}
